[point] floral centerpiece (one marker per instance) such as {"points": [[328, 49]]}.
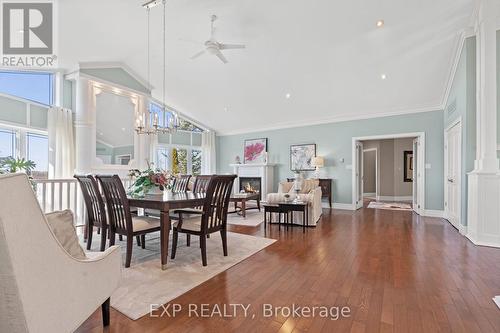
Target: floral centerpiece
{"points": [[149, 181]]}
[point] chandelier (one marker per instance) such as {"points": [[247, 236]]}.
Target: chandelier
{"points": [[163, 121]]}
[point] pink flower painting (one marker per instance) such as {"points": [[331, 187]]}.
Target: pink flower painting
{"points": [[255, 150]]}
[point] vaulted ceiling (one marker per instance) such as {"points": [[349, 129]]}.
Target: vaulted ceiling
{"points": [[329, 56]]}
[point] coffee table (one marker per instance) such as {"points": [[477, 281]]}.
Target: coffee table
{"points": [[242, 199], [286, 208]]}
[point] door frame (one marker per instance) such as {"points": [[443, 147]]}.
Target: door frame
{"points": [[359, 178], [456, 122], [376, 167], [420, 167], [415, 143]]}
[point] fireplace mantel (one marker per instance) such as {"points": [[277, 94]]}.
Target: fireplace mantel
{"points": [[264, 171]]}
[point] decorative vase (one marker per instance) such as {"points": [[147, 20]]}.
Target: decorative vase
{"points": [[155, 190]]}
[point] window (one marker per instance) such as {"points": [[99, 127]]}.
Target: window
{"points": [[196, 161], [37, 150], [162, 158], [37, 87], [179, 161], [20, 143], [7, 143], [163, 118]]}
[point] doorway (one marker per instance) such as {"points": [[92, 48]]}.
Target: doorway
{"points": [[402, 165], [453, 168]]}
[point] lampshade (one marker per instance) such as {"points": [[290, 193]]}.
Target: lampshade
{"points": [[318, 161]]}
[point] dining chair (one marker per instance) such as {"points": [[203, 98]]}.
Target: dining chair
{"points": [[201, 183], [121, 221], [181, 183], [96, 211], [199, 186], [212, 218]]}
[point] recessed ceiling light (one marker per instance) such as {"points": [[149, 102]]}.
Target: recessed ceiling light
{"points": [[383, 76], [123, 129], [287, 96], [380, 23], [226, 109]]}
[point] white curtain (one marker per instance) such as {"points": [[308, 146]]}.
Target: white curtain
{"points": [[208, 157], [61, 143]]}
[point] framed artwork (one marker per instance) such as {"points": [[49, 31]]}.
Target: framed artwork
{"points": [[408, 166], [301, 157], [255, 151]]}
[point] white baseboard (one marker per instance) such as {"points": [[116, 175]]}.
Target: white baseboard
{"points": [[337, 205], [483, 240], [433, 213], [394, 198], [462, 229], [370, 194], [496, 299]]}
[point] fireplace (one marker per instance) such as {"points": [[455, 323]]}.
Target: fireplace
{"points": [[251, 185]]}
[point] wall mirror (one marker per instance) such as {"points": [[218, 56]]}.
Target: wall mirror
{"points": [[115, 118]]}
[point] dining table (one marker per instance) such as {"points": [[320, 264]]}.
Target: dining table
{"points": [[166, 202]]}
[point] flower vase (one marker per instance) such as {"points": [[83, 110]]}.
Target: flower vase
{"points": [[155, 190]]}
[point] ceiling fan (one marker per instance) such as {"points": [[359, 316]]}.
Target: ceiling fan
{"points": [[212, 46]]}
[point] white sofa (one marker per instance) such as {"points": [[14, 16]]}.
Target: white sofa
{"points": [[310, 193], [42, 287]]}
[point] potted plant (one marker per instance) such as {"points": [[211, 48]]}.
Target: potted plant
{"points": [[15, 165]]}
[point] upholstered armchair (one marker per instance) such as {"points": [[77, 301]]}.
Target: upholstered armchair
{"points": [[44, 288], [310, 193]]}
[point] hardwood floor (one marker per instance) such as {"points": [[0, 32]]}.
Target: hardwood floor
{"points": [[397, 272]]}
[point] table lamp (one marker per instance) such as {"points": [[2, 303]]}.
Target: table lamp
{"points": [[318, 162]]}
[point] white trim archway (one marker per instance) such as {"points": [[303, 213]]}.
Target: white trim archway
{"points": [[420, 209]]}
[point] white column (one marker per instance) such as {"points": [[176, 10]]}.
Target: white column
{"points": [[483, 219], [486, 156], [84, 135], [59, 89]]}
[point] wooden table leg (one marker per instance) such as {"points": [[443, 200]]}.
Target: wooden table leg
{"points": [[244, 208], [304, 219], [164, 233]]}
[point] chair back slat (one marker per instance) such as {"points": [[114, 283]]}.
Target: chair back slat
{"points": [[119, 215], [94, 202], [181, 183], [201, 183], [217, 202]]}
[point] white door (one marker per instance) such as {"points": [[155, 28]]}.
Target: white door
{"points": [[416, 207], [453, 153], [359, 175]]}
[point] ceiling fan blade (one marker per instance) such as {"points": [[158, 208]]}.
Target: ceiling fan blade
{"points": [[223, 46], [221, 56], [198, 55]]}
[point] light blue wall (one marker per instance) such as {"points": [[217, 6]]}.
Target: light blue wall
{"points": [[118, 76], [462, 104], [334, 142]]}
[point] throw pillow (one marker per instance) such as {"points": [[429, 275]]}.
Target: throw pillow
{"points": [[61, 223]]}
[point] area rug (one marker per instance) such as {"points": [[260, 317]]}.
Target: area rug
{"points": [[253, 219], [390, 205], [144, 283]]}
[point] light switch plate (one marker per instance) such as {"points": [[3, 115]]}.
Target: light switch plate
{"points": [[427, 165], [348, 166]]}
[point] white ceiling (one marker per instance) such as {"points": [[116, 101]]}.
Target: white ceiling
{"points": [[327, 54]]}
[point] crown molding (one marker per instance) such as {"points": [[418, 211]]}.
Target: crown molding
{"points": [[329, 120], [454, 67]]}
